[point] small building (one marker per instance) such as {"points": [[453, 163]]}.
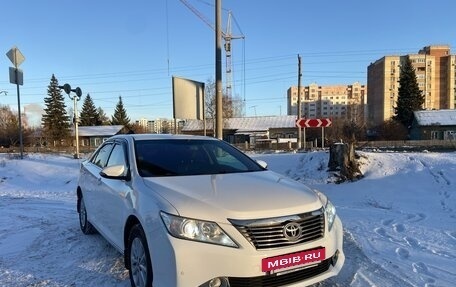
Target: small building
{"points": [[93, 136], [254, 130], [434, 125]]}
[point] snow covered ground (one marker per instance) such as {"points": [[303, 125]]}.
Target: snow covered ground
{"points": [[399, 221]]}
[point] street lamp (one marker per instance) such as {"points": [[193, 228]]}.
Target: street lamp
{"points": [[75, 98]]}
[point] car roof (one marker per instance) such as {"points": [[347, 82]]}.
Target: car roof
{"points": [[162, 137]]}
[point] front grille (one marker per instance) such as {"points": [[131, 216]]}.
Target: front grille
{"points": [[275, 280], [269, 233]]}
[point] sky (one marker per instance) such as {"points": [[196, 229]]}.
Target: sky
{"points": [[399, 220], [133, 48]]}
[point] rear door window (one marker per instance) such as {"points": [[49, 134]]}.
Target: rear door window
{"points": [[101, 158], [117, 156]]}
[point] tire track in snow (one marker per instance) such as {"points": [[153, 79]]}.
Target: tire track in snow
{"points": [[58, 254], [359, 270]]}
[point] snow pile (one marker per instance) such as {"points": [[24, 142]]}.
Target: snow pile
{"points": [[399, 220]]}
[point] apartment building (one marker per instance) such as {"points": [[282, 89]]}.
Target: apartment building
{"points": [[331, 101], [157, 126], [436, 76]]}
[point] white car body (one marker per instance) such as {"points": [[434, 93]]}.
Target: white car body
{"points": [[229, 200]]}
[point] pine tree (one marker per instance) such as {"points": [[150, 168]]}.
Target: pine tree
{"points": [[104, 120], [410, 98], [55, 121], [89, 114], [120, 115]]}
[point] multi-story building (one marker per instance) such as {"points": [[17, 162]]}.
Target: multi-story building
{"points": [[436, 76], [144, 123], [157, 126], [333, 101]]}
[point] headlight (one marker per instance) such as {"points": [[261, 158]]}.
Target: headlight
{"points": [[330, 210], [197, 230]]}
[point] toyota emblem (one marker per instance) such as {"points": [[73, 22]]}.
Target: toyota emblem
{"points": [[292, 231]]}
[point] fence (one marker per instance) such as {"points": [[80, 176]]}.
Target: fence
{"points": [[410, 144], [282, 146], [61, 150], [394, 145]]}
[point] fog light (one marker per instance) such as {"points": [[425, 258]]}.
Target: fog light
{"points": [[219, 282], [334, 258], [216, 282]]}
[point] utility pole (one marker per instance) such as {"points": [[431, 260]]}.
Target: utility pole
{"points": [[299, 101], [218, 69], [227, 36], [17, 77]]}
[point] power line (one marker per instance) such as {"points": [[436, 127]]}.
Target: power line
{"points": [[262, 70], [209, 67]]}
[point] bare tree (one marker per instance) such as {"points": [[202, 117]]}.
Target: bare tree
{"points": [[230, 108], [8, 127], [349, 130], [342, 155], [392, 130], [138, 129]]}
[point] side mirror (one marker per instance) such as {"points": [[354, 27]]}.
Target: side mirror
{"points": [[262, 163], [114, 172]]}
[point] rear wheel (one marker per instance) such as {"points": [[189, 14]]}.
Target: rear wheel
{"points": [[86, 226], [140, 265]]}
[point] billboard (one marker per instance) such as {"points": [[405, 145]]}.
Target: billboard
{"points": [[188, 99]]}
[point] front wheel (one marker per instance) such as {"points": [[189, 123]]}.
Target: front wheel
{"points": [[140, 266], [86, 226]]}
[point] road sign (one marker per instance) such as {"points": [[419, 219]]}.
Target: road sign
{"points": [[16, 76], [313, 123], [15, 56]]}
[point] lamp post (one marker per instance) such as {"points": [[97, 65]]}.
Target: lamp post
{"points": [[75, 99]]}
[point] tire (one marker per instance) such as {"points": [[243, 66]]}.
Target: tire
{"points": [[140, 265], [84, 224]]}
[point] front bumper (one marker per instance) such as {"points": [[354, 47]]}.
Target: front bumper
{"points": [[184, 263]]}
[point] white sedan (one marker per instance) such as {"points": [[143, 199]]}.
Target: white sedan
{"points": [[190, 211]]}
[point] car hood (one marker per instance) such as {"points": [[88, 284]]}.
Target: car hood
{"points": [[237, 195]]}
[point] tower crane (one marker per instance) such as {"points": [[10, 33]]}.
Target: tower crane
{"points": [[227, 37]]}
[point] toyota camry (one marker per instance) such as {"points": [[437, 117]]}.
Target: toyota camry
{"points": [[195, 211]]}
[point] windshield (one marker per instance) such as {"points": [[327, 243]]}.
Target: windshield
{"points": [[178, 157]]}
